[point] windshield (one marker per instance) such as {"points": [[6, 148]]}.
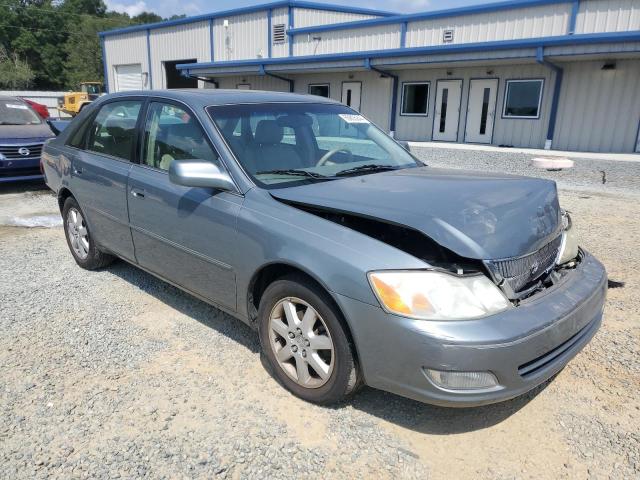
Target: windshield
{"points": [[284, 144], [91, 88], [15, 112]]}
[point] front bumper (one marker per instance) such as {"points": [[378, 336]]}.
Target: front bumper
{"points": [[14, 170], [522, 347]]}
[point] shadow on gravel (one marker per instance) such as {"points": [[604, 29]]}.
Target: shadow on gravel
{"points": [[19, 187], [403, 412], [204, 313], [435, 420]]}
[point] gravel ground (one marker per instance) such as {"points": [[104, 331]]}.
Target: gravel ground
{"points": [[115, 374]]}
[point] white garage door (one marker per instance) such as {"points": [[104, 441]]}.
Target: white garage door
{"points": [[128, 77]]}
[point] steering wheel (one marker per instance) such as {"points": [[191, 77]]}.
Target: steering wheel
{"points": [[325, 158]]}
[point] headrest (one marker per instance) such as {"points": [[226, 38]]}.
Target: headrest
{"points": [[182, 130], [269, 132], [119, 128]]}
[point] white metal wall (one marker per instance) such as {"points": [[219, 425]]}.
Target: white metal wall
{"points": [[306, 17], [608, 16], [245, 37], [599, 109], [126, 49], [547, 20], [257, 82], [340, 41], [178, 43], [507, 131], [280, 16]]}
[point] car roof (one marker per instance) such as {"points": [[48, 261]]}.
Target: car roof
{"points": [[7, 98], [225, 97]]}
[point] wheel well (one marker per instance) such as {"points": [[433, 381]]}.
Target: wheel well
{"points": [[275, 271], [63, 194]]}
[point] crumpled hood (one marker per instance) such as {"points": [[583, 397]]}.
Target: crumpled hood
{"points": [[25, 132], [476, 215]]}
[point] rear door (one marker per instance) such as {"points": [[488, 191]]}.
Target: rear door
{"points": [[184, 234], [99, 169]]}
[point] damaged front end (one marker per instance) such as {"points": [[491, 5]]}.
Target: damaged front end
{"points": [[517, 277]]}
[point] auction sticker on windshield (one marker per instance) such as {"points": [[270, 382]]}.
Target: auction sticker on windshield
{"points": [[16, 106], [350, 118]]}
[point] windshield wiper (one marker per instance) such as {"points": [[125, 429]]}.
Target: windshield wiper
{"points": [[370, 167], [295, 172]]}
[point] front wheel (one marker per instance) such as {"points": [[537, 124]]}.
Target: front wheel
{"points": [[83, 248], [305, 343]]}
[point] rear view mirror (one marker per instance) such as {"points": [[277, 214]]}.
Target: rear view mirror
{"points": [[199, 173]]}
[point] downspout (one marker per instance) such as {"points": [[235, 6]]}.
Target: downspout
{"points": [[555, 101], [394, 94], [149, 73], [273, 75]]}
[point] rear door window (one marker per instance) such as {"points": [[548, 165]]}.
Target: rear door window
{"points": [[113, 129]]}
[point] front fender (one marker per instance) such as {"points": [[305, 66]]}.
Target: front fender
{"points": [[339, 258]]}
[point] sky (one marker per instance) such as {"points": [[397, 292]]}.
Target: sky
{"points": [[166, 8]]}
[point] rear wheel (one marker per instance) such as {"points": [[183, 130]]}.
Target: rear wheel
{"points": [[305, 343], [82, 246]]}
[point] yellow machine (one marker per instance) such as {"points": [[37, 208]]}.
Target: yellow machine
{"points": [[73, 102]]}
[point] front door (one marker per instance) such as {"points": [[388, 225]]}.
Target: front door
{"points": [[447, 110], [351, 93], [184, 234], [481, 110]]}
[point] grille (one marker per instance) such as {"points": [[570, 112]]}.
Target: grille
{"points": [[12, 152], [520, 272]]}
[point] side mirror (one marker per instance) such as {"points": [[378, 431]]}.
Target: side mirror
{"points": [[199, 173]]}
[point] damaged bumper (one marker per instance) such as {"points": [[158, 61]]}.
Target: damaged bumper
{"points": [[521, 347]]}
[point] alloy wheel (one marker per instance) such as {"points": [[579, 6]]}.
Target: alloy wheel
{"points": [[78, 234], [301, 342]]}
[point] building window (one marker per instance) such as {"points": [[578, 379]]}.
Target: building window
{"points": [[415, 98], [522, 99], [279, 35], [319, 89]]}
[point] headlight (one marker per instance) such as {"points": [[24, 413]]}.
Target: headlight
{"points": [[432, 295], [569, 246]]}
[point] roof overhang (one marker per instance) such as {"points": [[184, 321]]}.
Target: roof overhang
{"points": [[565, 45]]}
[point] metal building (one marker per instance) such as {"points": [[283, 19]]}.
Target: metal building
{"points": [[561, 74]]}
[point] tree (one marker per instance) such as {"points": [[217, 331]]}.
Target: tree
{"points": [[15, 74]]}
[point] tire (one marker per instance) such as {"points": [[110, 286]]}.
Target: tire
{"points": [[308, 345], [83, 248]]}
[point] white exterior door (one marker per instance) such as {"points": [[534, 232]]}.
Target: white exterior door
{"points": [[128, 77], [447, 110], [351, 93], [481, 110]]}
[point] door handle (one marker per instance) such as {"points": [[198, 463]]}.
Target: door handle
{"points": [[137, 193]]}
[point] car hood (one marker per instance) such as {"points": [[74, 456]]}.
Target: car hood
{"points": [[476, 215], [25, 132]]}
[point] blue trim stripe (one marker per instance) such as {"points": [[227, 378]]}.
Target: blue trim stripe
{"points": [[269, 32], [452, 12], [581, 39], [290, 39], [250, 9], [575, 8], [104, 65], [403, 34], [211, 40]]}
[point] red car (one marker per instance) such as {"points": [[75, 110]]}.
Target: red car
{"points": [[40, 109]]}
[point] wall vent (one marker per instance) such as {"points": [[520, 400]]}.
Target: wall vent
{"points": [[279, 35], [447, 36]]}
